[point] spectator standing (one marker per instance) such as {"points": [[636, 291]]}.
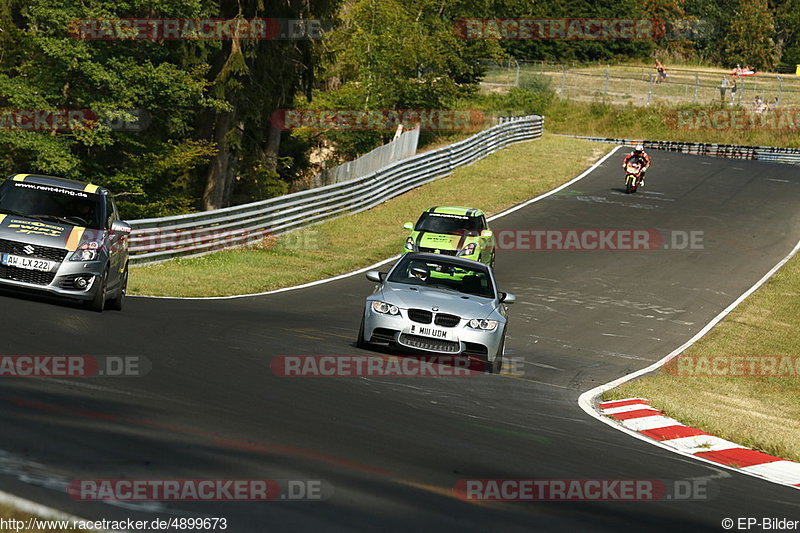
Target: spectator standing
{"points": [[758, 105], [661, 71]]}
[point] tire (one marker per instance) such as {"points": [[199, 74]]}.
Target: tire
{"points": [[360, 342], [98, 303], [496, 366], [627, 186], [115, 304]]}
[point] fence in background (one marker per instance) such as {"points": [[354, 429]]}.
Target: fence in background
{"points": [[621, 84], [402, 147], [159, 239]]}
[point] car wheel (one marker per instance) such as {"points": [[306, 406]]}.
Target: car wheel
{"points": [[116, 302], [98, 303], [496, 366], [360, 342]]}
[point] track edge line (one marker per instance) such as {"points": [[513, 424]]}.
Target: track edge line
{"points": [[587, 400], [42, 511], [384, 261]]}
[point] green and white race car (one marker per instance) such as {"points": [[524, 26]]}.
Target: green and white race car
{"points": [[452, 230]]}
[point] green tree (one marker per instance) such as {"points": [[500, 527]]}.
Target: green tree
{"points": [[43, 67], [750, 38], [787, 30], [256, 78], [210, 101], [398, 54]]}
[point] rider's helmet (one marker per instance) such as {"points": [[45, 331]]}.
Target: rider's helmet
{"points": [[638, 149]]}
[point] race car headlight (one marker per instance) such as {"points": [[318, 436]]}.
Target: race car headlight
{"points": [[468, 249], [486, 325], [87, 251], [384, 308], [410, 244]]}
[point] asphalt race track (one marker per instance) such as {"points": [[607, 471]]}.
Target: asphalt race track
{"points": [[389, 451]]}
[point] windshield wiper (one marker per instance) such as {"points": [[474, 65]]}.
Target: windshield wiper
{"points": [[52, 217]]}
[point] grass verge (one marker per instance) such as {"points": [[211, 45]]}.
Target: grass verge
{"points": [[758, 412], [657, 123], [497, 182]]}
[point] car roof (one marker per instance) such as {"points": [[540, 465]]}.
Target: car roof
{"points": [[455, 210], [53, 181]]}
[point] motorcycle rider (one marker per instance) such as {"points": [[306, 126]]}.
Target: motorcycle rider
{"points": [[641, 156]]}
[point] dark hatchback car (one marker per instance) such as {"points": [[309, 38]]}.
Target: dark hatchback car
{"points": [[64, 238]]}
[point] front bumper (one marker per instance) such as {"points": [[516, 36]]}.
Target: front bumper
{"points": [[395, 330], [62, 283]]}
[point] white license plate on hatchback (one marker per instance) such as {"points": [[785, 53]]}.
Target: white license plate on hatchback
{"points": [[28, 263]]}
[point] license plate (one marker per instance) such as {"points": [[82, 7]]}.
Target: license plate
{"points": [[28, 263], [434, 333]]}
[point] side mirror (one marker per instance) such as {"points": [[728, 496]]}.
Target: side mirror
{"points": [[374, 275], [487, 233], [120, 227], [409, 226], [507, 298]]}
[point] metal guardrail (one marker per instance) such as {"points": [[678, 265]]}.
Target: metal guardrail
{"points": [[734, 151], [160, 239]]}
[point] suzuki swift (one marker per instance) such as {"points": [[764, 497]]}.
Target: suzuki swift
{"points": [[64, 238]]}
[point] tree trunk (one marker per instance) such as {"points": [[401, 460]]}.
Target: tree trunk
{"points": [[218, 171], [233, 169], [273, 147]]}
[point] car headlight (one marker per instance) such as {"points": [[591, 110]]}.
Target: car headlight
{"points": [[410, 244], [468, 249], [384, 308], [87, 251], [486, 325]]}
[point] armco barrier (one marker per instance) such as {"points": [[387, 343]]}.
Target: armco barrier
{"points": [[159, 239], [761, 153]]}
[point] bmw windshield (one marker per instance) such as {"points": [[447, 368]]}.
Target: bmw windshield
{"points": [[412, 270], [46, 202]]}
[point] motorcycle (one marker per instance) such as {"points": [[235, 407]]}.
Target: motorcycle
{"points": [[633, 174]]}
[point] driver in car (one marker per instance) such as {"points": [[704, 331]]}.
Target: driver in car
{"points": [[421, 274]]}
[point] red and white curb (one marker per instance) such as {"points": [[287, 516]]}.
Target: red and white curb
{"points": [[781, 472], [636, 414]]}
